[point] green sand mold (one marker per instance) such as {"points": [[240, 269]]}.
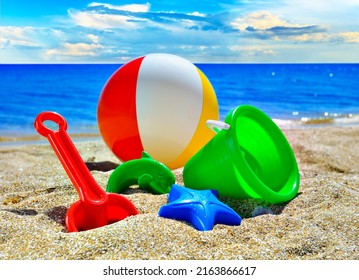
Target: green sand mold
{"points": [[149, 174]]}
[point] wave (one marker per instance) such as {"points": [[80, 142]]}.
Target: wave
{"points": [[339, 120]]}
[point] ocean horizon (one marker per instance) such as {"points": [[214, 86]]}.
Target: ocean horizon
{"points": [[292, 94]]}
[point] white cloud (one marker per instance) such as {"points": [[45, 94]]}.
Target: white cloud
{"points": [[252, 50], [76, 49], [317, 37], [350, 37], [261, 20], [18, 36], [100, 21], [265, 25], [197, 14], [107, 32], [345, 37], [93, 38], [135, 8]]}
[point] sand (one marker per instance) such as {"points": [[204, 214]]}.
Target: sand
{"points": [[322, 222]]}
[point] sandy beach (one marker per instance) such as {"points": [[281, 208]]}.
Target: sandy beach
{"points": [[322, 222]]}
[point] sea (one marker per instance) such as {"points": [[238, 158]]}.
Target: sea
{"points": [[293, 95]]}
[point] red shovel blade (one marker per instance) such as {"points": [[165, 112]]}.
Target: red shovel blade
{"points": [[79, 218], [96, 208]]}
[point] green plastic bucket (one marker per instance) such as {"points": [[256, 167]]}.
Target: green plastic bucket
{"points": [[248, 158]]}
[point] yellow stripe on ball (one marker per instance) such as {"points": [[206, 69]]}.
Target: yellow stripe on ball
{"points": [[202, 134]]}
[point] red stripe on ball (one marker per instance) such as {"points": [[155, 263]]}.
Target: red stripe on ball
{"points": [[116, 113]]}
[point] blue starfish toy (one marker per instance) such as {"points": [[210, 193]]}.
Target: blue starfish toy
{"points": [[200, 208]]}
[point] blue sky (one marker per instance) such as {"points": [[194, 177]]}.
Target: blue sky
{"points": [[109, 31]]}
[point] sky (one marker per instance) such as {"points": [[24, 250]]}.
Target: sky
{"points": [[203, 31]]}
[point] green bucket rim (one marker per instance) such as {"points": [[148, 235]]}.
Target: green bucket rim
{"points": [[257, 185]]}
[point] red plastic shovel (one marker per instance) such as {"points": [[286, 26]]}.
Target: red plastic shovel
{"points": [[96, 208]]}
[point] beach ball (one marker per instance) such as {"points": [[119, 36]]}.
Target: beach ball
{"points": [[158, 103]]}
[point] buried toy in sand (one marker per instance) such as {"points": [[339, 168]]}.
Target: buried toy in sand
{"points": [[200, 208], [95, 208], [149, 174]]}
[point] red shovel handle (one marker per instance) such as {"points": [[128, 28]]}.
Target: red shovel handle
{"points": [[49, 116], [87, 188]]}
